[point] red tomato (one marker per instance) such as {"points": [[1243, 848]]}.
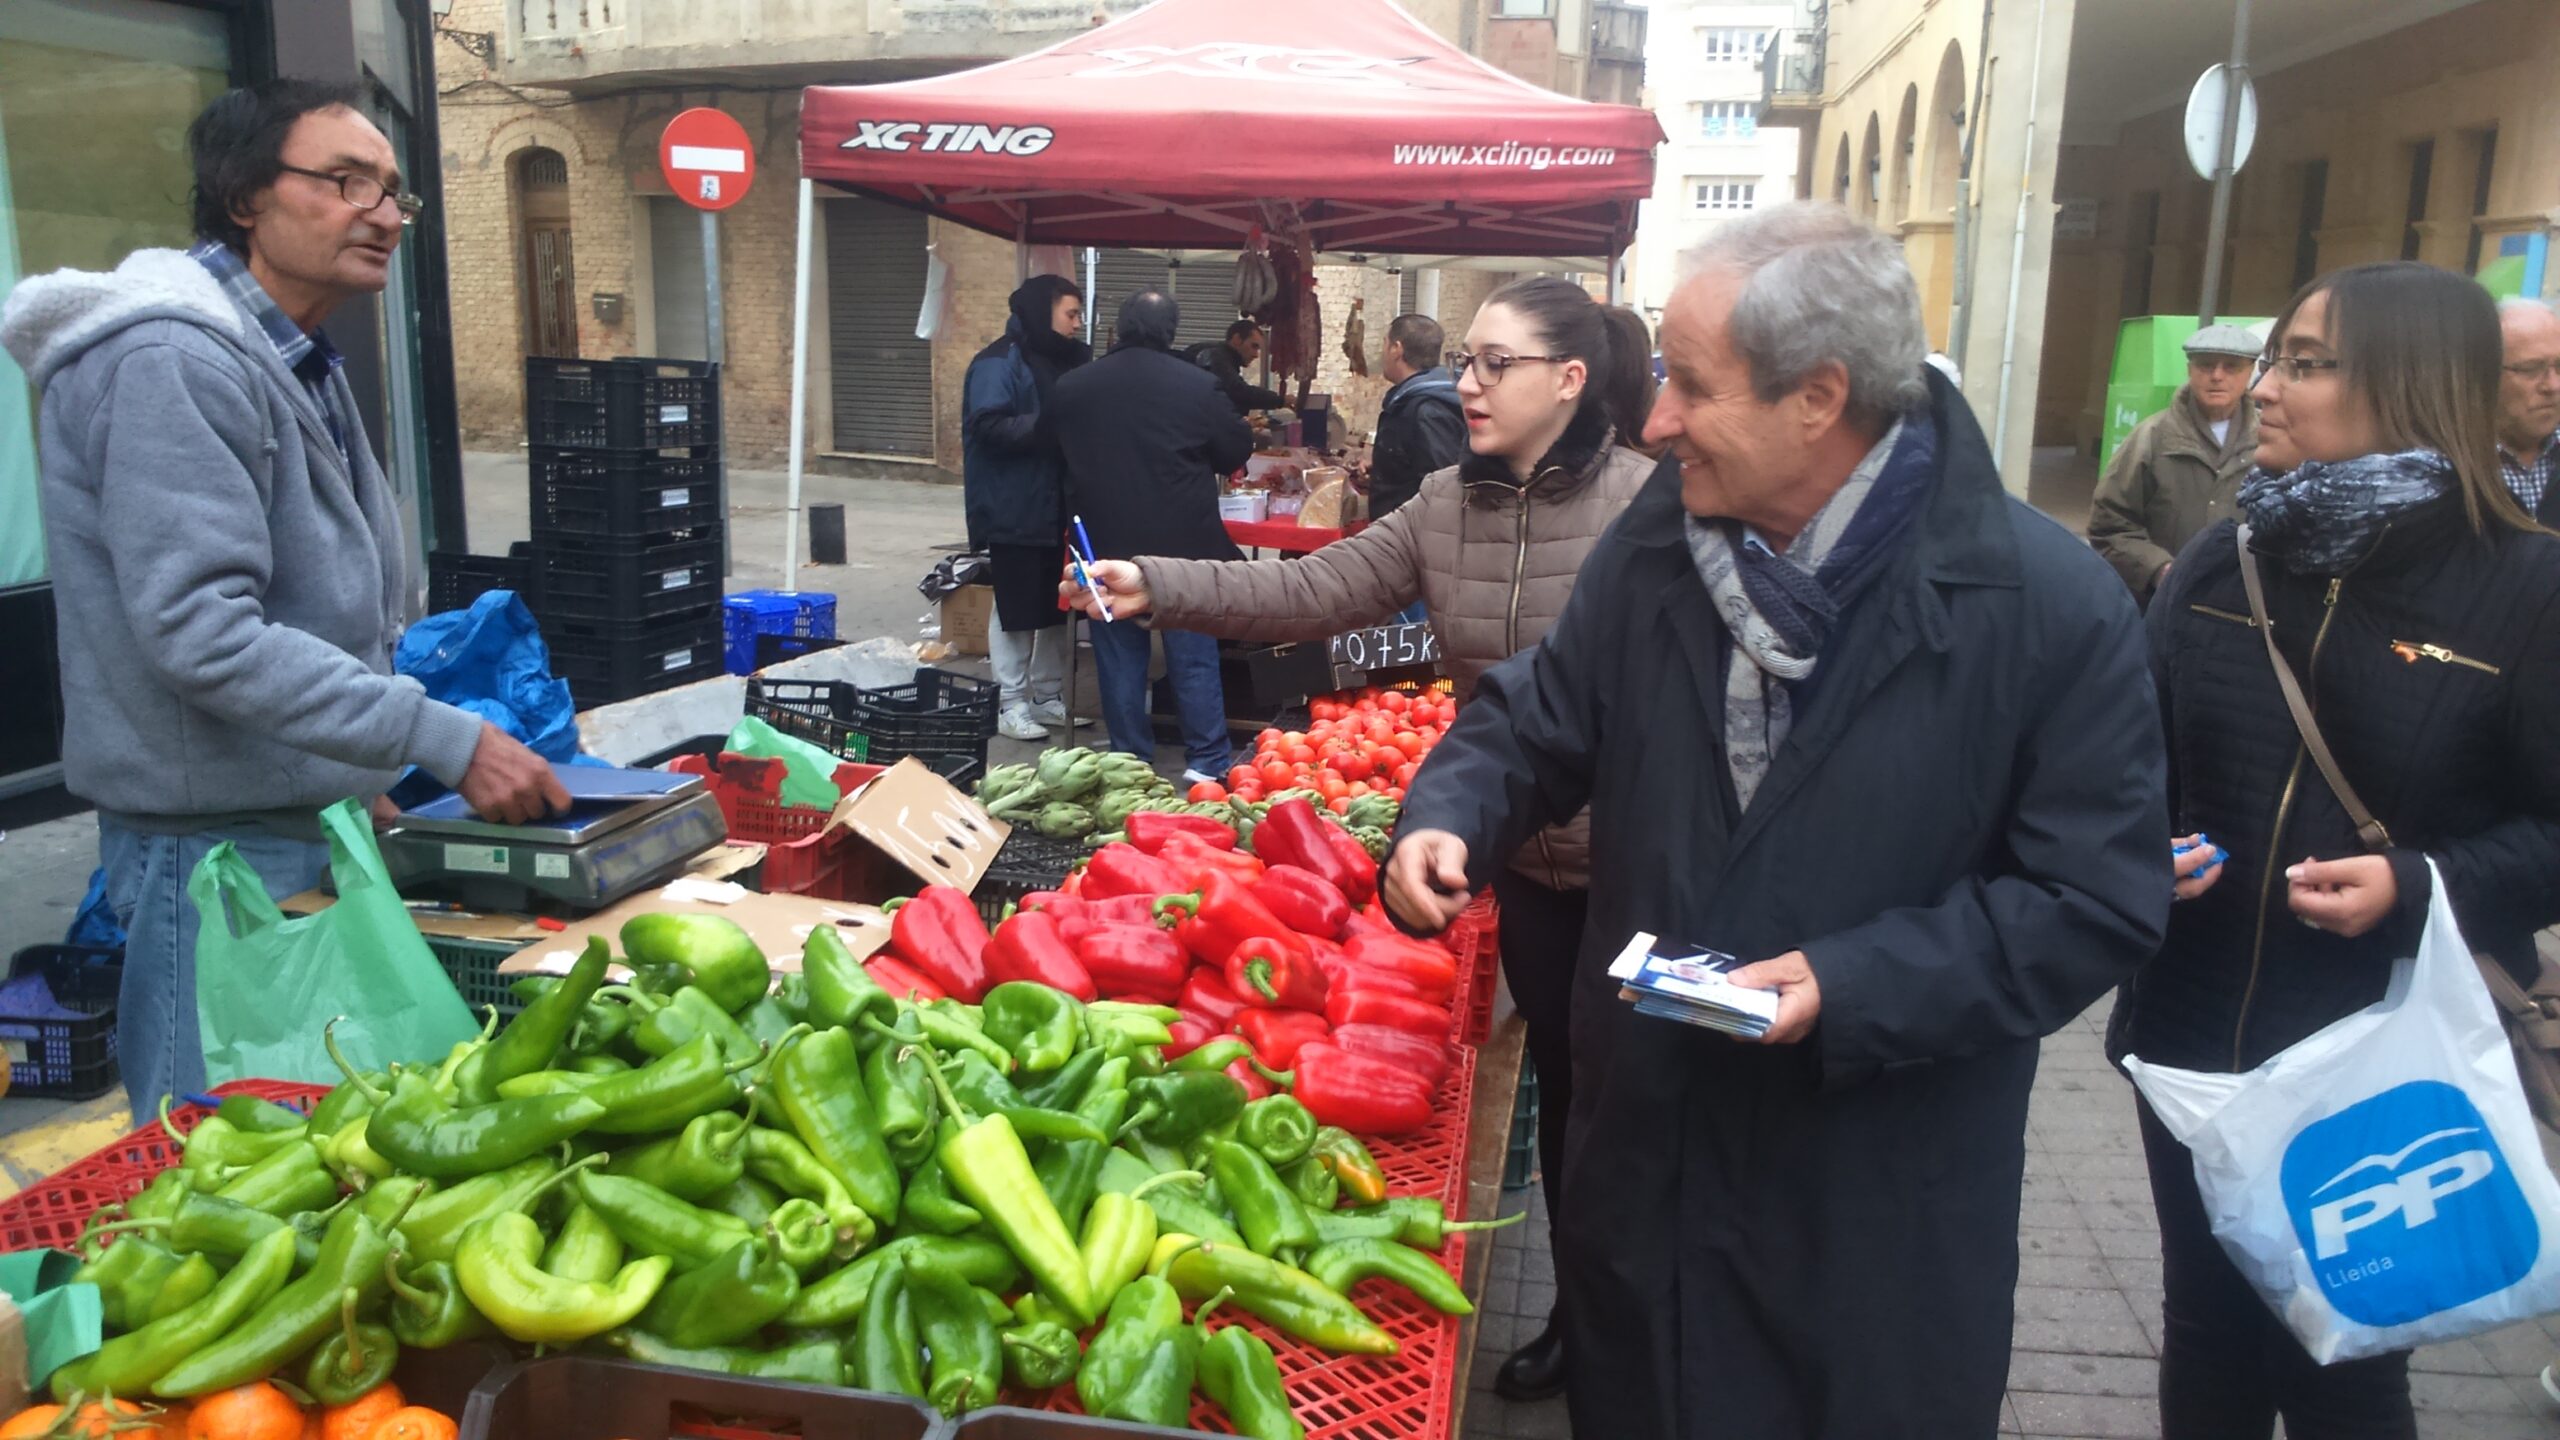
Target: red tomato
{"points": [[1408, 741], [1249, 792], [1404, 777], [1275, 774], [1301, 754], [1265, 737], [1332, 786], [1395, 702], [1208, 790], [1240, 775], [1388, 757], [1339, 804]]}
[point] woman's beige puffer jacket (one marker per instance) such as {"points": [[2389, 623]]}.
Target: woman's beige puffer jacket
{"points": [[1491, 556]]}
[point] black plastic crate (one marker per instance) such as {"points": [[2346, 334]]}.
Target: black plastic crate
{"points": [[1005, 1422], [622, 494], [647, 579], [772, 649], [582, 1397], [625, 404], [939, 716], [66, 1058], [606, 662], [455, 580], [1029, 861]]}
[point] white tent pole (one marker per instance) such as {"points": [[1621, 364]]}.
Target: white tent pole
{"points": [[799, 388]]}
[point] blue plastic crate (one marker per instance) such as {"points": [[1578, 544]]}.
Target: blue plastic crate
{"points": [[749, 613]]}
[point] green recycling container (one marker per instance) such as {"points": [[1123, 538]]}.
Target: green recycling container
{"points": [[2150, 365]]}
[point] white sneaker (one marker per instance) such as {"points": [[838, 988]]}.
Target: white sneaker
{"points": [[2550, 1385], [1054, 712], [1019, 723], [1200, 777]]}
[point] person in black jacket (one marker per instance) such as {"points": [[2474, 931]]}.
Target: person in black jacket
{"points": [[2419, 606], [1228, 359], [1914, 776], [1015, 493], [1422, 425], [1147, 438]]}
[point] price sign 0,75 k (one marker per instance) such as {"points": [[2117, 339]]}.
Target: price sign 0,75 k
{"points": [[1387, 647]]}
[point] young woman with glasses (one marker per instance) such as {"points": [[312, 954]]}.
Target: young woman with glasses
{"points": [[2419, 607], [1555, 387]]}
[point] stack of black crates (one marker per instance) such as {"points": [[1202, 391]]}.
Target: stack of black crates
{"points": [[625, 479]]}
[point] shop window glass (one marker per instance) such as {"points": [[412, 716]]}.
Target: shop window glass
{"points": [[95, 96]]}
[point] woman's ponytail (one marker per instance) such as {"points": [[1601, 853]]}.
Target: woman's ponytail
{"points": [[1612, 343]]}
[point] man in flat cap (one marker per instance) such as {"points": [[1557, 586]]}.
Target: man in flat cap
{"points": [[2176, 474]]}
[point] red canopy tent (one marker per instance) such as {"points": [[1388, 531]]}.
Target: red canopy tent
{"points": [[1165, 130]]}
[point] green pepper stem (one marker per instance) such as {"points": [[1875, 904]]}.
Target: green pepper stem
{"points": [[1186, 1176], [292, 1392], [351, 1359], [161, 1223], [1504, 1222], [409, 1294], [338, 1057], [941, 1087], [1285, 1079], [587, 1162], [1200, 1317], [1257, 973], [1149, 1109], [165, 1126], [894, 904]]}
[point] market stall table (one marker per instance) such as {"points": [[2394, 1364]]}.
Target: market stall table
{"points": [[1287, 536]]}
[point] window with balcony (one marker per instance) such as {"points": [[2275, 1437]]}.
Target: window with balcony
{"points": [[1728, 120], [1734, 46], [1722, 194], [1517, 9]]}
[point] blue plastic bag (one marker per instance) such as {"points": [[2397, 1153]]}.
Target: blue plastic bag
{"points": [[95, 925], [490, 660]]}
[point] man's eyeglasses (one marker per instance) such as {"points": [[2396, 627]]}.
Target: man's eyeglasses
{"points": [[363, 191], [1490, 365], [2292, 367], [2532, 370]]}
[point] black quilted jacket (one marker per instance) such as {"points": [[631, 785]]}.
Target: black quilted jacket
{"points": [[2433, 668]]}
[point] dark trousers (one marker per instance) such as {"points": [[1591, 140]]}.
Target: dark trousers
{"points": [[1541, 931], [2228, 1366], [1121, 650]]}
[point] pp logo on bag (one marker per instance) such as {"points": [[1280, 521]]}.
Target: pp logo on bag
{"points": [[2406, 1206]]}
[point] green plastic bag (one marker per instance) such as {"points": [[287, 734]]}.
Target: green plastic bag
{"points": [[808, 773], [266, 985]]}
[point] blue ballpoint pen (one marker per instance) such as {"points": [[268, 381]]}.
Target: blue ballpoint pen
{"points": [[1084, 576]]}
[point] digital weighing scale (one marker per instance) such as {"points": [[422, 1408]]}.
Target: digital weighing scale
{"points": [[624, 831]]}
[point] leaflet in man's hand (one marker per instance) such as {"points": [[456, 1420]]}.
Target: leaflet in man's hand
{"points": [[1687, 983]]}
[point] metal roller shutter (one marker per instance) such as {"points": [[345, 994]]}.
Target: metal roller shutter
{"points": [[1117, 275], [1205, 289], [883, 374]]}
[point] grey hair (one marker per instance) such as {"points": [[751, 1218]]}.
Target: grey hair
{"points": [[1819, 284], [2516, 303]]}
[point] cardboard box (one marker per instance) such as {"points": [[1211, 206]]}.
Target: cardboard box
{"points": [[781, 925], [966, 614], [919, 822]]}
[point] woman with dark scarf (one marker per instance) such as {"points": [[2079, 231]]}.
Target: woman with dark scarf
{"points": [[2415, 602], [1016, 495]]}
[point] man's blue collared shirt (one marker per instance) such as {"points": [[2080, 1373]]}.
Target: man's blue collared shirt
{"points": [[310, 357]]}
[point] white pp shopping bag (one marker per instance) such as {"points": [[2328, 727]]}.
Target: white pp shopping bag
{"points": [[2380, 1183]]}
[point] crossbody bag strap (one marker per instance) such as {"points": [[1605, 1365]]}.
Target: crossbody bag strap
{"points": [[2368, 829]]}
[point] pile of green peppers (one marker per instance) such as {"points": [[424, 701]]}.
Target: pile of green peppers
{"points": [[809, 1180]]}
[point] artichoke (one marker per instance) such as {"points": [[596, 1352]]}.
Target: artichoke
{"points": [[1061, 821]]}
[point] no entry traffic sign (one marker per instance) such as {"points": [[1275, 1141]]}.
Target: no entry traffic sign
{"points": [[706, 159]]}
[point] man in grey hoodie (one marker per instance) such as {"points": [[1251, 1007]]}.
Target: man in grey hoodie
{"points": [[227, 557]]}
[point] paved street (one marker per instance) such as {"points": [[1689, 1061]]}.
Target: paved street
{"points": [[2085, 1360]]}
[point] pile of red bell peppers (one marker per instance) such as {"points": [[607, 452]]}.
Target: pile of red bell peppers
{"points": [[1283, 957]]}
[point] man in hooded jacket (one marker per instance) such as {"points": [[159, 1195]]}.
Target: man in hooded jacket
{"points": [[1843, 709], [1014, 480], [229, 572]]}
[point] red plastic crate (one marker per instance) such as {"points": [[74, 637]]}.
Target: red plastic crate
{"points": [[1433, 1160], [1404, 1396], [55, 1211], [800, 857], [1481, 924]]}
